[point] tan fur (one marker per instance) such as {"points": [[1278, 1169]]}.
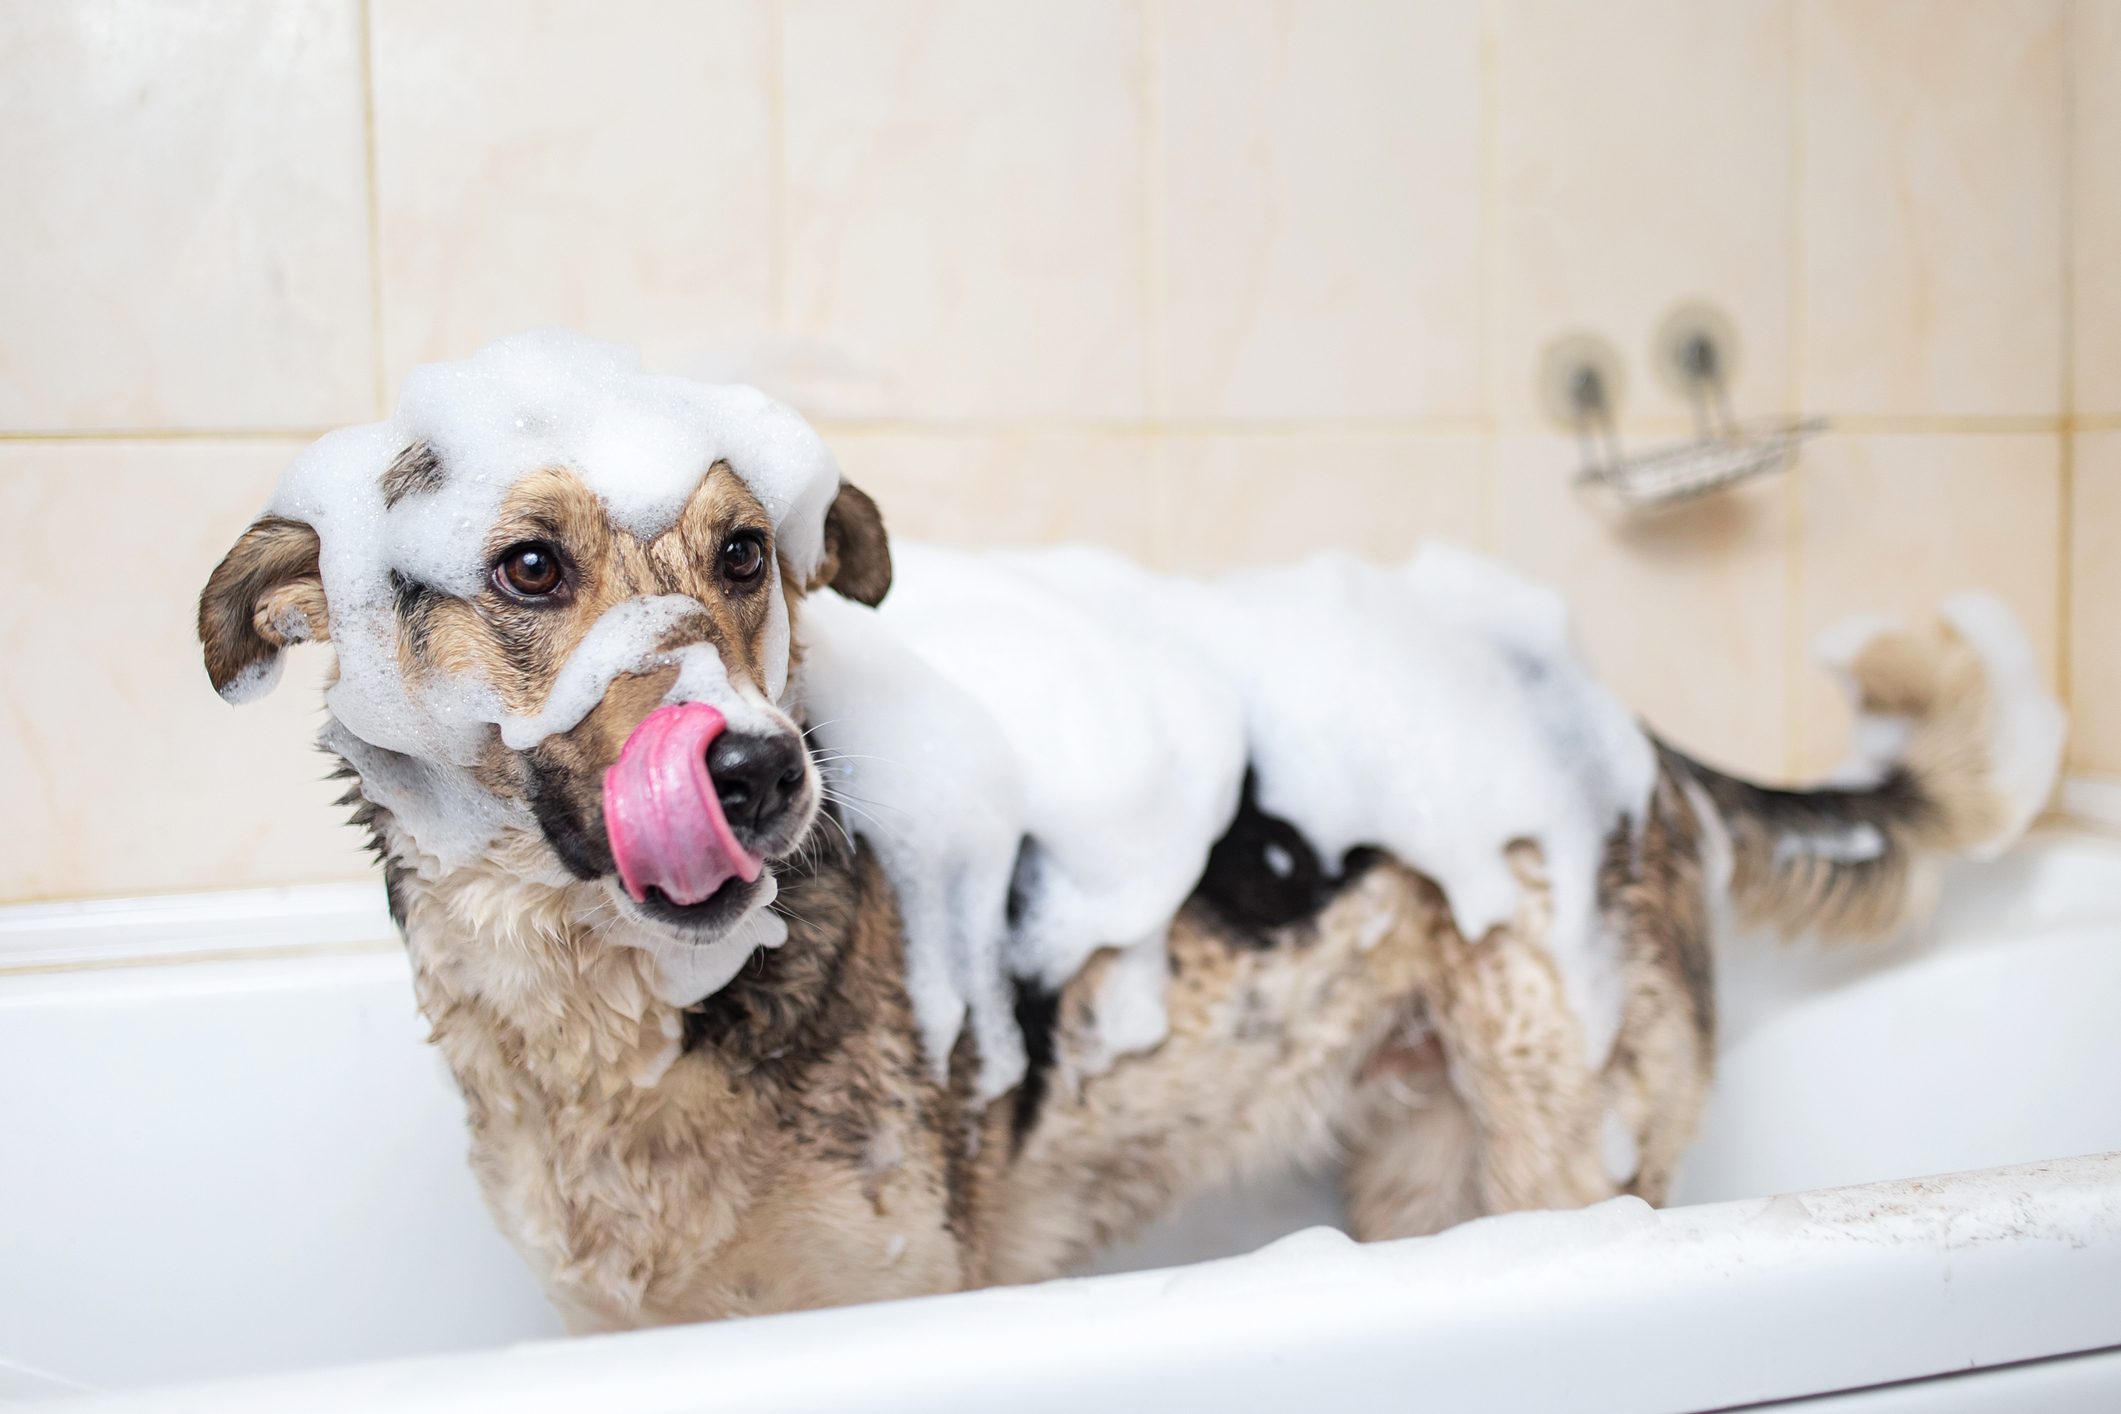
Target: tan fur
{"points": [[273, 567], [520, 648], [1934, 681], [708, 1192]]}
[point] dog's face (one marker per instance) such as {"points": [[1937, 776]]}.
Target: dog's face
{"points": [[615, 699]]}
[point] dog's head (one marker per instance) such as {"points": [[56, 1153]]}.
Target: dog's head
{"points": [[561, 594]]}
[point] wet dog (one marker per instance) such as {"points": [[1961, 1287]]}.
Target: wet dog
{"points": [[768, 1134]]}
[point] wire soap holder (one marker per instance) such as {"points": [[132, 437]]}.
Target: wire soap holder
{"points": [[1695, 352]]}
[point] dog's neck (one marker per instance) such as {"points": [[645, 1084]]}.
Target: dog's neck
{"points": [[574, 1069], [526, 986], [530, 977]]}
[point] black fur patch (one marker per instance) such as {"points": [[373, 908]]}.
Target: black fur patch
{"points": [[415, 602], [1772, 830], [393, 896], [1263, 874], [1038, 1017], [788, 1008], [578, 841], [1023, 878], [417, 469], [368, 817]]}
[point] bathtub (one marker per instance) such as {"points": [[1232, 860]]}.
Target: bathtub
{"points": [[227, 1160]]}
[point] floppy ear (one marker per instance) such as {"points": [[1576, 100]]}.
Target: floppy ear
{"points": [[857, 552], [266, 594]]}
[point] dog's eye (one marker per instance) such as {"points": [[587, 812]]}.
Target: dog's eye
{"points": [[531, 570], [743, 557]]}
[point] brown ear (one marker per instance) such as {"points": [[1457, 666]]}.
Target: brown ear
{"points": [[857, 552], [266, 594]]}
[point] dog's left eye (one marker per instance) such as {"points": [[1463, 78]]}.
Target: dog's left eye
{"points": [[743, 557]]}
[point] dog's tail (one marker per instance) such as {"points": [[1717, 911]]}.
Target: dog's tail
{"points": [[1956, 748]]}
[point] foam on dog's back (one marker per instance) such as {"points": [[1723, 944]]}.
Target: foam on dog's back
{"points": [[1436, 711], [1440, 712], [922, 771]]}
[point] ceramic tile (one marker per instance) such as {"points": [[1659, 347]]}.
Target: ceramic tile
{"points": [[1683, 613], [965, 204], [1894, 525], [605, 167], [1233, 501], [185, 243], [1320, 246], [120, 769], [1643, 157], [1931, 206], [2095, 204], [980, 490], [2095, 604]]}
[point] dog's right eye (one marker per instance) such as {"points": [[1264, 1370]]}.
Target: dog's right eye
{"points": [[531, 570]]}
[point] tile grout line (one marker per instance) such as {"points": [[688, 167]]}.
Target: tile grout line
{"points": [[2066, 547], [1157, 337], [1793, 748], [1434, 427], [170, 434], [379, 367], [1490, 282], [1915, 426]]}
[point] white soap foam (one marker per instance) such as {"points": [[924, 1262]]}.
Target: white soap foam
{"points": [[2026, 726], [641, 442], [1064, 698], [688, 970], [1437, 711], [616, 643], [1130, 745], [1129, 1003], [1858, 843], [921, 770]]}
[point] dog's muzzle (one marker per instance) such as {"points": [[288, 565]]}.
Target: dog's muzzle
{"points": [[664, 812]]}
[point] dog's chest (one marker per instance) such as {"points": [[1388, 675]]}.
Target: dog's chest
{"points": [[643, 1213]]}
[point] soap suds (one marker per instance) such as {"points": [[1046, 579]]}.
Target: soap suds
{"points": [[1129, 745], [547, 399], [1041, 746], [1858, 843], [1436, 710], [1129, 1003], [923, 773], [2026, 726]]}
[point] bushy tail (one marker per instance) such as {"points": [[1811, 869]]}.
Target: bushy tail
{"points": [[1957, 746]]}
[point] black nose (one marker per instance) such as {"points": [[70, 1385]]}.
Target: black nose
{"points": [[755, 777]]}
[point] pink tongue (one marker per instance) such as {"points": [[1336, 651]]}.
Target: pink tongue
{"points": [[666, 824]]}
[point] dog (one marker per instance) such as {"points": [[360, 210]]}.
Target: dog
{"points": [[697, 1097]]}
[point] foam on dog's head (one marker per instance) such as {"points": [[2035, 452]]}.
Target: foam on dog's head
{"points": [[641, 442]]}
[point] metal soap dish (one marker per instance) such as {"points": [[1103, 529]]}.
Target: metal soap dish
{"points": [[1581, 384]]}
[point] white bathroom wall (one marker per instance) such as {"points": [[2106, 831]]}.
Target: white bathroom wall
{"points": [[1209, 280]]}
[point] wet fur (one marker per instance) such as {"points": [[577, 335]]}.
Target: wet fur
{"points": [[783, 1144]]}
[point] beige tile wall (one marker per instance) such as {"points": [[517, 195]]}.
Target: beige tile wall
{"points": [[1205, 280]]}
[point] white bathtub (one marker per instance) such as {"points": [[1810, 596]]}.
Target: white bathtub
{"points": [[225, 1151]]}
